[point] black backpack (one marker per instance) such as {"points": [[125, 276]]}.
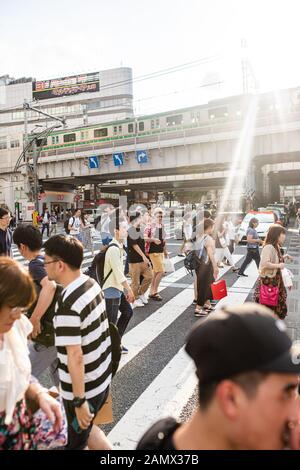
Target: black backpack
{"points": [[195, 258], [96, 270], [66, 225]]}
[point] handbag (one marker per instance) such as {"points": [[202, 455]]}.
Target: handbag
{"points": [[219, 289], [45, 436], [268, 295], [169, 265]]}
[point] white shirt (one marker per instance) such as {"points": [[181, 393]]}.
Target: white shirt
{"points": [[75, 223], [15, 366]]}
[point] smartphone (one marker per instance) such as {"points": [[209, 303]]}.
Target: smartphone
{"points": [[75, 424]]}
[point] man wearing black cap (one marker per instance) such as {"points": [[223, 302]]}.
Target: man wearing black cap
{"points": [[248, 374]]}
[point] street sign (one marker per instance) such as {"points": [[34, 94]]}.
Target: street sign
{"points": [[93, 162], [118, 159], [142, 156]]}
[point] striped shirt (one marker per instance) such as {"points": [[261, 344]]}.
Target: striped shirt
{"points": [[81, 320]]}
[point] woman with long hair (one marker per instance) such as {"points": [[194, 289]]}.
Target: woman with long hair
{"points": [[207, 271], [270, 267], [17, 426]]}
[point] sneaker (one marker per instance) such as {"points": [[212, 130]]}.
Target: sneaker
{"points": [[137, 303], [181, 255], [243, 275], [194, 302], [124, 350], [144, 299]]}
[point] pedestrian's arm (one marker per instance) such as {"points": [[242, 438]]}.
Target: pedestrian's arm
{"points": [[76, 369], [139, 252], [45, 298], [211, 256]]}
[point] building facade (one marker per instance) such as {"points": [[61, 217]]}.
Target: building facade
{"points": [[81, 100]]}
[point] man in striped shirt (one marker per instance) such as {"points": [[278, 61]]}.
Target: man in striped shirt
{"points": [[82, 340]]}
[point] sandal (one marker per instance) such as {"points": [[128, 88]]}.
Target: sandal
{"points": [[155, 297], [200, 312], [209, 308]]}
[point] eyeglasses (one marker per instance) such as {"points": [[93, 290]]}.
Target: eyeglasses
{"points": [[50, 262]]}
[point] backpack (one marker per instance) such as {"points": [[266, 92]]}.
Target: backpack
{"points": [[66, 224], [46, 337], [195, 258], [96, 270]]}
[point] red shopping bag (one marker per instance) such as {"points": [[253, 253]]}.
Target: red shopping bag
{"points": [[219, 290]]}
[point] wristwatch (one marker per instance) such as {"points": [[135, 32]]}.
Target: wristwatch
{"points": [[77, 401]]}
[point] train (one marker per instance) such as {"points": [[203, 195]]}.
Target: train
{"points": [[227, 110]]}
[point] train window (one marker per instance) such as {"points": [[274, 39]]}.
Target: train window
{"points": [[101, 132], [69, 137], [218, 112], [41, 142], [174, 120], [141, 125], [54, 139], [120, 129], [130, 127], [115, 129]]}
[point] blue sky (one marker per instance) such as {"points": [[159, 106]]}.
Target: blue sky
{"points": [[62, 37]]}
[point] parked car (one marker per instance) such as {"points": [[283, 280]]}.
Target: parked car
{"points": [[265, 219]]}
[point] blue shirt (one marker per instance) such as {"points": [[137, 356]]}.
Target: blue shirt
{"points": [[253, 233]]}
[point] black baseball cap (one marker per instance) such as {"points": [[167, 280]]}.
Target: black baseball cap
{"points": [[240, 339]]}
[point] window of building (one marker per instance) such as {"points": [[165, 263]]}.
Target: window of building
{"points": [[115, 130], [157, 122], [100, 132], [14, 143], [3, 143], [174, 120], [130, 128], [152, 123], [55, 139], [69, 137], [120, 129], [141, 126]]}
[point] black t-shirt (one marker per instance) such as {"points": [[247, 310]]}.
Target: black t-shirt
{"points": [[135, 237], [161, 235], [159, 436]]}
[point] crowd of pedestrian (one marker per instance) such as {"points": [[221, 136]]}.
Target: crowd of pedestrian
{"points": [[72, 323]]}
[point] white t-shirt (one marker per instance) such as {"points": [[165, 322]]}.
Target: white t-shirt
{"points": [[75, 223]]}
